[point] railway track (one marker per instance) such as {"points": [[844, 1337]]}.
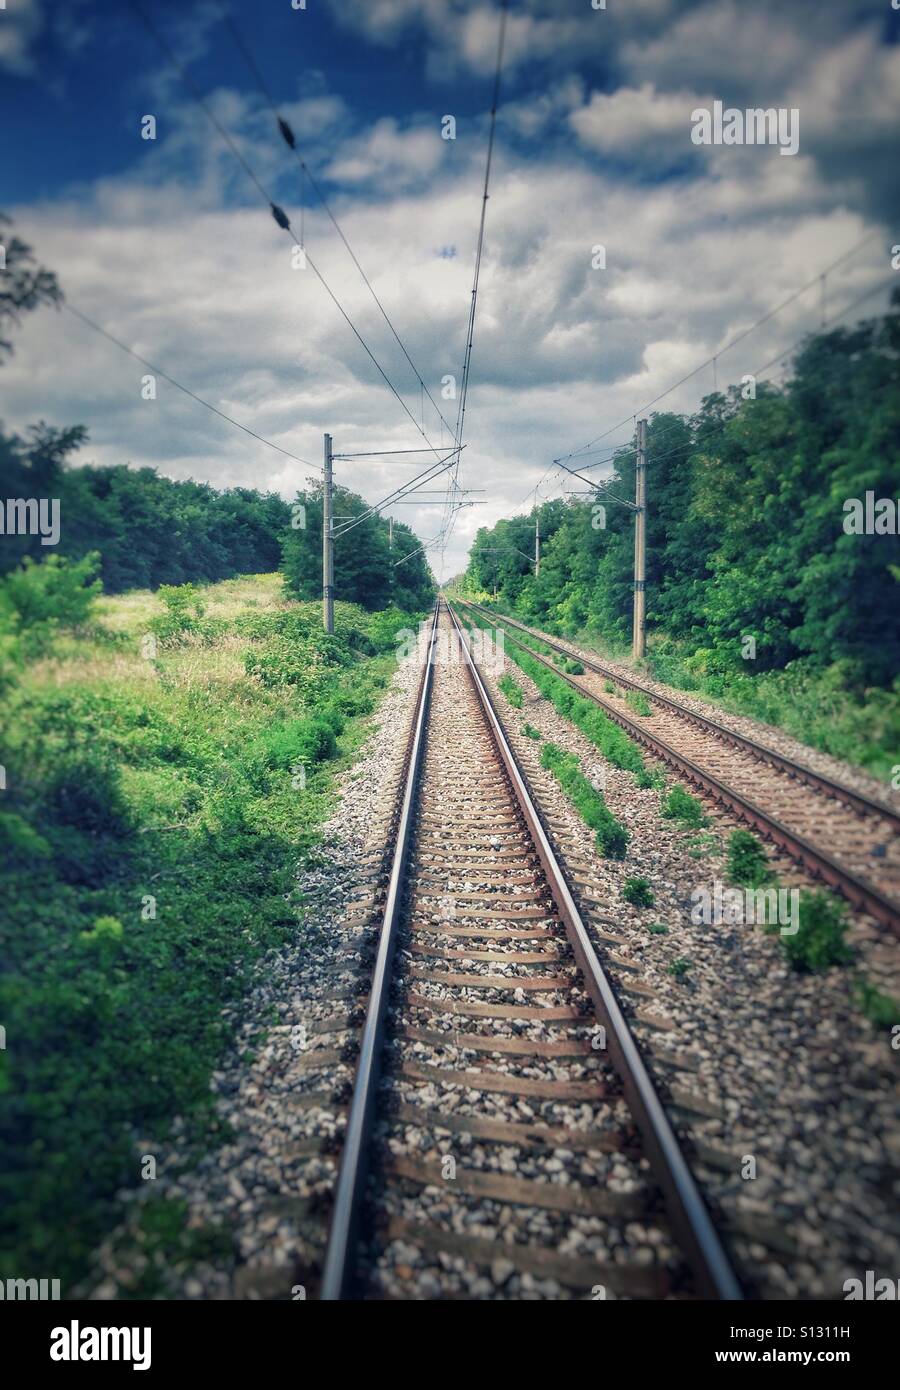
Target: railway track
{"points": [[504, 1136], [839, 835]]}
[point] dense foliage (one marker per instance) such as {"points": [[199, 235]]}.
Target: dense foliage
{"points": [[370, 567], [745, 538], [147, 530]]}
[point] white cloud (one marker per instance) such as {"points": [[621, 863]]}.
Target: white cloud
{"points": [[636, 121], [396, 158], [21, 24]]}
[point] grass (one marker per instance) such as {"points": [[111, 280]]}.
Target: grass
{"points": [[611, 836], [512, 690], [531, 732], [878, 1008], [680, 968], [637, 701], [747, 862], [637, 891], [658, 929], [819, 942], [614, 744], [678, 804], [156, 812]]}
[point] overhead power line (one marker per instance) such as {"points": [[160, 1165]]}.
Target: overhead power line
{"points": [[289, 139], [278, 213], [470, 331], [642, 410], [470, 328], [433, 471], [158, 371]]}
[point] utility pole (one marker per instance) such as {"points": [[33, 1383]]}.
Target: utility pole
{"points": [[537, 544], [390, 533], [638, 645], [327, 545]]}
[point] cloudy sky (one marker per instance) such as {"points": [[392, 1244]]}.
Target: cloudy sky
{"points": [[169, 246]]}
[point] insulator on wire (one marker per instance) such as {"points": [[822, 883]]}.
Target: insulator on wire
{"points": [[281, 217], [287, 132]]}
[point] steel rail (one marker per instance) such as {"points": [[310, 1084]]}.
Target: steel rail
{"points": [[819, 863], [687, 1211], [857, 800], [338, 1277]]}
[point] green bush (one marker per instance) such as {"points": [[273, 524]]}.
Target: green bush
{"points": [[819, 940], [637, 891], [678, 804], [531, 732], [878, 1008], [680, 968], [184, 617], [747, 861], [38, 599], [303, 741]]}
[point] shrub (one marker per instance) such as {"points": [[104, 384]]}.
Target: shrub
{"points": [[531, 732], [183, 615], [678, 804], [680, 968], [106, 930], [638, 892], [658, 929], [20, 842], [747, 861], [818, 942], [878, 1008], [39, 598], [303, 741], [84, 791], [609, 687]]}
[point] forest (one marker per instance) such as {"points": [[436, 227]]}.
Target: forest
{"points": [[146, 530], [755, 585]]}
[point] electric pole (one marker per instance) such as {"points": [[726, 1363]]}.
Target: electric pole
{"points": [[537, 544], [327, 545], [640, 543], [390, 533]]}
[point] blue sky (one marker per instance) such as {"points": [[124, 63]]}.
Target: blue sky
{"points": [[168, 246]]}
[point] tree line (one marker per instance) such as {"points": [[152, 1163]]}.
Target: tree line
{"points": [[143, 530], [147, 530], [751, 559]]}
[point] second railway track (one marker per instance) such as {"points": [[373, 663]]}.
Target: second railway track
{"points": [[504, 1136], [846, 839]]}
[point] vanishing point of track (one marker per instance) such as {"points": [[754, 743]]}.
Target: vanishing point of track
{"points": [[500, 1095]]}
